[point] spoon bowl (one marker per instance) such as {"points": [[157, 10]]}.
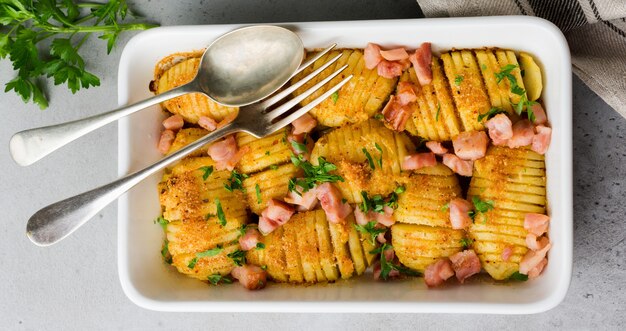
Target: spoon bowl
{"points": [[238, 69], [248, 64]]}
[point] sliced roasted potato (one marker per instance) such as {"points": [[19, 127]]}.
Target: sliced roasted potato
{"points": [[532, 76]]}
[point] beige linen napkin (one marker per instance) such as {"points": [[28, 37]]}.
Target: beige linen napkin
{"points": [[595, 31]]}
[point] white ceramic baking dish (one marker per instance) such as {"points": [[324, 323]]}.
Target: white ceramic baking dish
{"points": [[150, 283]]}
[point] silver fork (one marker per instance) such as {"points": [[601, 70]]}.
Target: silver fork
{"points": [[55, 222]]}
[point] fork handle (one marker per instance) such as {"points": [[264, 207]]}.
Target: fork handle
{"points": [[29, 146], [56, 221]]}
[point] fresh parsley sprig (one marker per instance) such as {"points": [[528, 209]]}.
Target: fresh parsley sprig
{"points": [[491, 113], [238, 257], [371, 230], [377, 202], [235, 181], [313, 175], [216, 279], [27, 24], [480, 206], [524, 103], [387, 266], [207, 253]]}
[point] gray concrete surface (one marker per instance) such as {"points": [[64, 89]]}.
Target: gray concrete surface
{"points": [[74, 284]]}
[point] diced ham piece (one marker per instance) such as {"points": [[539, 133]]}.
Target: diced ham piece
{"points": [[405, 93], [385, 219], [507, 252], [381, 238], [396, 114], [278, 211], [396, 54], [304, 201], [304, 124], [389, 69], [523, 134], [166, 141], [390, 254], [533, 259], [249, 240], [361, 217], [225, 153], [266, 225], [436, 147], [438, 272], [377, 271], [418, 161], [330, 199], [500, 129], [252, 277], [536, 224], [470, 145], [207, 123], [461, 167], [174, 122], [372, 56], [421, 60], [406, 64], [536, 271], [534, 243], [465, 264], [459, 213], [540, 114], [541, 139]]}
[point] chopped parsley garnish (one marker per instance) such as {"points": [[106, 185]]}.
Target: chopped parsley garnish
{"points": [[519, 277], [162, 222], [505, 72], [165, 252], [207, 253], [379, 116], [371, 230], [238, 257], [438, 110], [344, 200], [242, 230], [480, 206], [400, 189], [207, 171], [445, 207], [466, 242], [377, 203], [458, 80], [524, 103], [260, 246], [217, 278], [380, 159], [491, 113], [264, 267], [387, 266], [313, 175], [483, 67], [273, 167], [220, 212], [267, 153], [299, 147], [235, 181], [369, 158], [334, 97], [258, 194]]}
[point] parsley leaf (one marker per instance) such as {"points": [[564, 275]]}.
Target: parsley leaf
{"points": [[207, 253], [238, 257], [387, 266], [377, 203], [217, 278], [369, 158], [260, 246], [207, 171], [258, 194], [380, 159], [313, 175], [400, 189], [162, 222], [299, 147], [466, 242], [273, 167], [334, 97], [32, 43], [220, 213], [458, 80], [491, 113], [165, 252], [438, 110], [445, 207], [379, 116], [480, 206], [235, 181], [518, 277], [371, 230]]}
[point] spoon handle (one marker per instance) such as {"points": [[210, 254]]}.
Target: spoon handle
{"points": [[29, 146], [56, 221]]}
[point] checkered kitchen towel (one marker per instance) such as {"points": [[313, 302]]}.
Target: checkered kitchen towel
{"points": [[595, 31]]}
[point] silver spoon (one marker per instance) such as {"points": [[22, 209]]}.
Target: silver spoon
{"points": [[238, 69]]}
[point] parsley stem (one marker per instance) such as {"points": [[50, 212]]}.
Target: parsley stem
{"points": [[102, 28], [60, 16]]}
